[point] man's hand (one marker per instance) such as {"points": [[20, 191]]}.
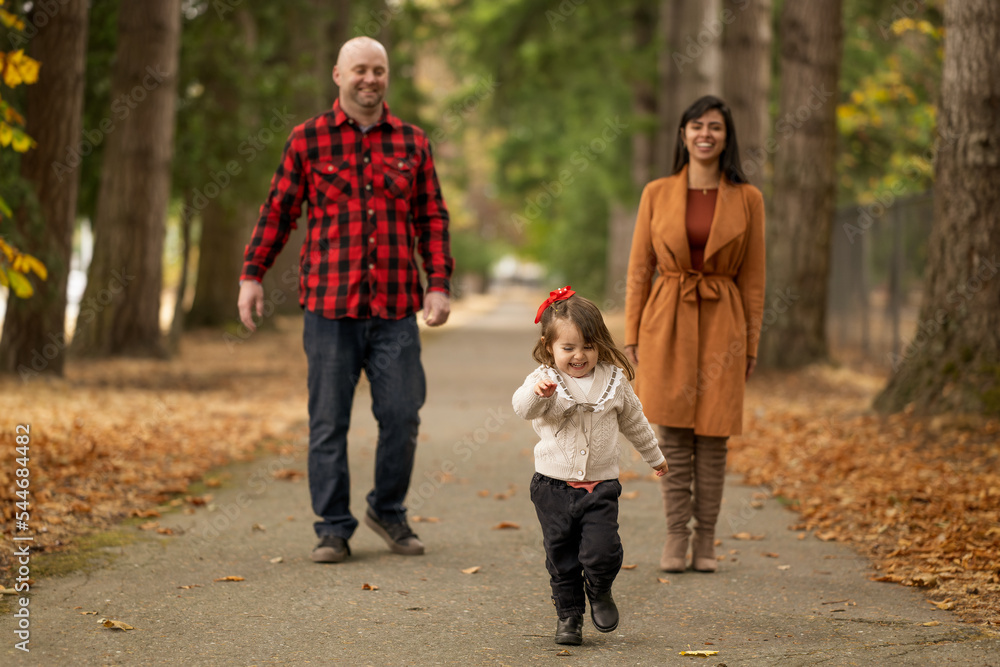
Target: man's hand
{"points": [[437, 307], [632, 354], [251, 301]]}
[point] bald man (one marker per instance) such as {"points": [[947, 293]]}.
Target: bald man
{"points": [[372, 194]]}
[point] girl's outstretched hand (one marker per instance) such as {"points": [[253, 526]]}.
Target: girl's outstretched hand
{"points": [[545, 388], [661, 469]]}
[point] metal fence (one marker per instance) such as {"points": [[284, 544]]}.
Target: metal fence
{"points": [[877, 257]]}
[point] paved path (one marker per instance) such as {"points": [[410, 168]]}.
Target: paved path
{"points": [[811, 604]]}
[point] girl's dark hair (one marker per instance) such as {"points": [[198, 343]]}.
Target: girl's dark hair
{"points": [[586, 316], [729, 159]]}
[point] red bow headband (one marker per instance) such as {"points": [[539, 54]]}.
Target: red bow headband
{"points": [[560, 294]]}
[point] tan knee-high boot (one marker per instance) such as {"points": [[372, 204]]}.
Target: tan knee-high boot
{"points": [[709, 479], [677, 445]]}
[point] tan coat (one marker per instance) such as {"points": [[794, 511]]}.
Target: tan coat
{"points": [[695, 330]]}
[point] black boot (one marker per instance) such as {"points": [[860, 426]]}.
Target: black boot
{"points": [[603, 611], [570, 630]]}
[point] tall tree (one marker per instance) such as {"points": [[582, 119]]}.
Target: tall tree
{"points": [[689, 66], [120, 311], [798, 233], [34, 339], [746, 82], [953, 361]]}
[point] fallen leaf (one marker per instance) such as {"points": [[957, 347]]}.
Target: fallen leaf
{"points": [[828, 536], [288, 474], [165, 531], [7, 591], [662, 580], [369, 587], [199, 500], [189, 586], [88, 613], [231, 577], [945, 605], [276, 559], [629, 567], [701, 653], [115, 625], [213, 483], [505, 525], [145, 514], [425, 519], [484, 493], [769, 554], [564, 652], [471, 570], [784, 567], [149, 525], [501, 496], [747, 536], [931, 624], [258, 527]]}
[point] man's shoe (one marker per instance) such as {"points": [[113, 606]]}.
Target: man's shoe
{"points": [[398, 536], [570, 630], [603, 611], [331, 549]]}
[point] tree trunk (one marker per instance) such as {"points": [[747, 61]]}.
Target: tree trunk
{"points": [[689, 66], [746, 50], [120, 312], [798, 230], [325, 40], [953, 361], [621, 219], [34, 330], [227, 215]]}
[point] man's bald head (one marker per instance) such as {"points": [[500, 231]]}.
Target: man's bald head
{"points": [[362, 74], [359, 46]]}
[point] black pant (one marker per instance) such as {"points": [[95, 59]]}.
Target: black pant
{"points": [[581, 539]]}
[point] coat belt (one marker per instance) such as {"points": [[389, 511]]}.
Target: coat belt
{"points": [[696, 284]]}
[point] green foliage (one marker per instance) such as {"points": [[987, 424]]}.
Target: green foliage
{"points": [[563, 113], [889, 84]]}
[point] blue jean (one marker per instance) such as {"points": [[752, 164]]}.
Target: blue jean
{"points": [[388, 351]]}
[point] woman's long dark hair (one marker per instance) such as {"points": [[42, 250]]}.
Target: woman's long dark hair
{"points": [[729, 159]]}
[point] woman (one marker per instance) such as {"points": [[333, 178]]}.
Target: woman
{"points": [[693, 311]]}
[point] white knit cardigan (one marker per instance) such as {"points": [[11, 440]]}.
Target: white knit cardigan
{"points": [[579, 431]]}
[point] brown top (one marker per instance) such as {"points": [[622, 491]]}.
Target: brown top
{"points": [[698, 220]]}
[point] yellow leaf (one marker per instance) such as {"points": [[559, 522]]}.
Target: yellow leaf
{"points": [[369, 587], [22, 288], [703, 654], [471, 570], [20, 68], [115, 625], [22, 142], [10, 20], [3, 277], [229, 578], [6, 134]]}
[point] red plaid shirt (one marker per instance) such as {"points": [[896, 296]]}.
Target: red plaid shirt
{"points": [[371, 196]]}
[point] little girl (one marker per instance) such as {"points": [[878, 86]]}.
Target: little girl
{"points": [[578, 401]]}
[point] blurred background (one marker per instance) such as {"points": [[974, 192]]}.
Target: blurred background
{"points": [[546, 119]]}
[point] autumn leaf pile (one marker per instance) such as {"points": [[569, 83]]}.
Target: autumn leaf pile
{"points": [[919, 496], [116, 438]]}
